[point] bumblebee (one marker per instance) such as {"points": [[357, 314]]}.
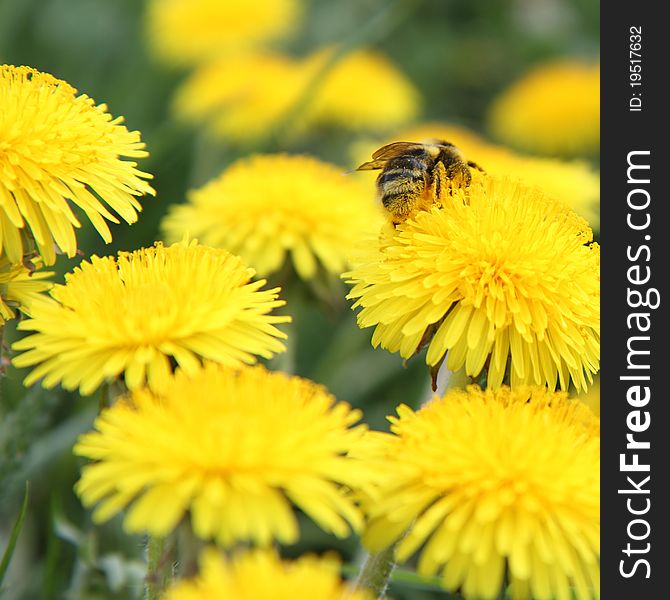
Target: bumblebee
{"points": [[414, 176]]}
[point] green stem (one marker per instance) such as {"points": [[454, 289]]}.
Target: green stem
{"points": [[293, 293], [377, 570], [159, 566], [409, 579], [172, 557], [502, 595], [189, 547], [14, 535], [110, 392]]}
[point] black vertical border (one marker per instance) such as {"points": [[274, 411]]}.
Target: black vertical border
{"points": [[623, 131]]}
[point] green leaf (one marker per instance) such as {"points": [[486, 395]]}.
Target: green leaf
{"points": [[14, 536]]}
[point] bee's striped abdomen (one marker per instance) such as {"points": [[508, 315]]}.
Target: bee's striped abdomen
{"points": [[402, 177]]}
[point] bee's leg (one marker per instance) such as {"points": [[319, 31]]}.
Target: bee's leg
{"points": [[440, 183], [459, 174], [474, 165]]}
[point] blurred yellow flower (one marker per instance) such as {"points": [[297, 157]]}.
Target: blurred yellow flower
{"points": [[487, 482], [193, 31], [503, 278], [241, 97], [573, 182], [261, 575], [20, 287], [137, 313], [269, 207], [55, 148], [364, 90], [552, 109], [245, 96], [234, 448]]}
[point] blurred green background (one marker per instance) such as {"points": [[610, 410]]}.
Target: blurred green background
{"points": [[458, 54]]}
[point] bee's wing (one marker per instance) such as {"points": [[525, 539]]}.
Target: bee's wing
{"points": [[371, 165], [386, 153], [394, 149]]}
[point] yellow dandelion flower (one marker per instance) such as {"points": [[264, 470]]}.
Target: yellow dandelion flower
{"points": [[55, 148], [268, 207], [233, 448], [502, 275], [261, 574], [553, 109], [573, 182], [245, 96], [486, 482], [242, 97], [192, 31], [364, 90], [20, 287], [136, 313]]}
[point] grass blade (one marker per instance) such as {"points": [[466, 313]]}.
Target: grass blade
{"points": [[14, 536]]}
